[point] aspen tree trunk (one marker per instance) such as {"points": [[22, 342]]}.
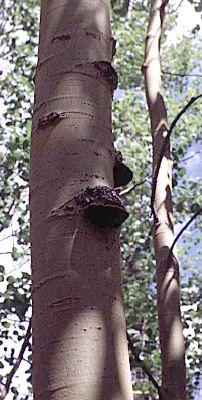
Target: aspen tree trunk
{"points": [[168, 293], [79, 333]]}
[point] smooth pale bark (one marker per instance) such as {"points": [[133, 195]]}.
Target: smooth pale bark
{"points": [[170, 325], [79, 332]]}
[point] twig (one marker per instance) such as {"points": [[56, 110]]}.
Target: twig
{"points": [[142, 365], [165, 143], [163, 72], [16, 268], [130, 189], [17, 363], [181, 75], [173, 11], [192, 156], [181, 232], [6, 237]]}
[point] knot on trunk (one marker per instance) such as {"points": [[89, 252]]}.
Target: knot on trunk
{"points": [[108, 72]]}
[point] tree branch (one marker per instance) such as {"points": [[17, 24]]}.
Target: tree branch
{"points": [[17, 363], [181, 232], [163, 149], [130, 189], [163, 72], [181, 75], [173, 11], [192, 156], [142, 365]]}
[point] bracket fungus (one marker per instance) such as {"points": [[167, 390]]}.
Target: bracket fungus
{"points": [[122, 174], [102, 206]]}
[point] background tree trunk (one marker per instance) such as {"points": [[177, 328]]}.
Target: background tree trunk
{"points": [[79, 332], [170, 325]]}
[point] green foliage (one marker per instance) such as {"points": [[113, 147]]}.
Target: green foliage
{"points": [[19, 36]]}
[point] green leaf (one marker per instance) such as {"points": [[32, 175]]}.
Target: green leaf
{"points": [[11, 279], [195, 207], [6, 324], [25, 144]]}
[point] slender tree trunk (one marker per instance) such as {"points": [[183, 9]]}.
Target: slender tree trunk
{"points": [[168, 294], [79, 333]]}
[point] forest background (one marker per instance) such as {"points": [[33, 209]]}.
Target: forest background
{"points": [[182, 79]]}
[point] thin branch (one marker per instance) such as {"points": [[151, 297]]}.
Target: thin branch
{"points": [[16, 268], [163, 149], [7, 33], [5, 238], [130, 189], [182, 231], [181, 75], [173, 11], [17, 363], [163, 72], [142, 365], [2, 227], [11, 206], [192, 156]]}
